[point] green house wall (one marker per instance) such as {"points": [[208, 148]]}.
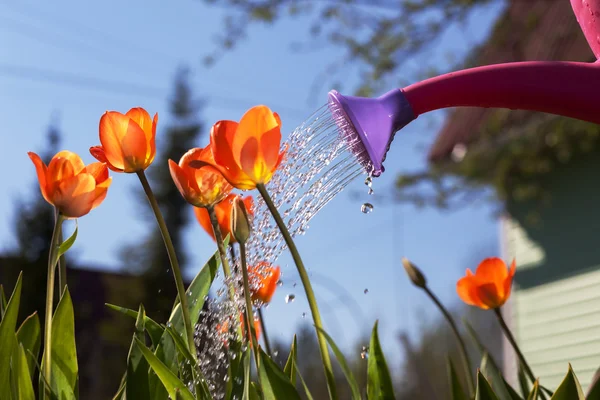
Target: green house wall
{"points": [[555, 306]]}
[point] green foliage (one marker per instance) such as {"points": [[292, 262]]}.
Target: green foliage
{"points": [[137, 384], [29, 336], [64, 368], [7, 336], [66, 245], [494, 377], [379, 381], [456, 390], [594, 390], [344, 365], [569, 389], [21, 375], [170, 381], [484, 390], [290, 365], [274, 383]]}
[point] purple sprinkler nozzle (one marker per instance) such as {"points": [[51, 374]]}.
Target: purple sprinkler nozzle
{"points": [[373, 122]]}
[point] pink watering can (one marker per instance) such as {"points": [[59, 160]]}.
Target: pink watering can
{"points": [[570, 89]]}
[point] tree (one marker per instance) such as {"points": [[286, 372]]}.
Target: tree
{"points": [[150, 255], [378, 36], [33, 226]]}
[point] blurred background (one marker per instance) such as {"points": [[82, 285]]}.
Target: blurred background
{"points": [[460, 185]]}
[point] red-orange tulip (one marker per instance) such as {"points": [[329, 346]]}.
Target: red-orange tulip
{"points": [[128, 140], [69, 185], [489, 287], [247, 152], [201, 187], [223, 212], [263, 281]]}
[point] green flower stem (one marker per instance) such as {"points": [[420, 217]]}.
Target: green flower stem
{"points": [[515, 346], [249, 313], [463, 349], [310, 295], [62, 263], [222, 253], [189, 329], [263, 327], [52, 260]]}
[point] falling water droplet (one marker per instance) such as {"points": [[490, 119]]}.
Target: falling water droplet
{"points": [[168, 270], [366, 291], [371, 191], [303, 315], [159, 290], [366, 208], [364, 354], [280, 283], [294, 285], [290, 298], [275, 353], [368, 181]]}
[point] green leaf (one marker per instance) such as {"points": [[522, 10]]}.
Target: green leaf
{"points": [[234, 387], [137, 383], [29, 336], [491, 372], [155, 331], [190, 363], [290, 365], [306, 390], [166, 376], [22, 377], [275, 384], [7, 336], [569, 389], [166, 351], [523, 380], [344, 366], [66, 245], [534, 392], [379, 382], [254, 392], [594, 389], [64, 367], [484, 390], [514, 395], [456, 390], [2, 302]]}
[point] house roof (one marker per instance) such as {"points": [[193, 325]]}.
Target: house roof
{"points": [[541, 30]]}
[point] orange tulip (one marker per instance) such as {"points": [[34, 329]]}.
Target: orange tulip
{"points": [[128, 140], [69, 185], [201, 187], [247, 153], [489, 287], [263, 281], [223, 212]]}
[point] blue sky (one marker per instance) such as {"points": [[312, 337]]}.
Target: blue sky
{"points": [[141, 43]]}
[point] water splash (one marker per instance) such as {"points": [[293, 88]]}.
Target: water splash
{"points": [[320, 162]]}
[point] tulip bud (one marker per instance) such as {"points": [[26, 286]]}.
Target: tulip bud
{"points": [[415, 275], [240, 224]]}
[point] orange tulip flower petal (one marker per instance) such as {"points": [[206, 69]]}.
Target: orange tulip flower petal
{"points": [[69, 185], [40, 169], [263, 279], [223, 213], [248, 153], [489, 287]]}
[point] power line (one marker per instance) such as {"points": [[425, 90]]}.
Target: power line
{"points": [[118, 87], [82, 30]]}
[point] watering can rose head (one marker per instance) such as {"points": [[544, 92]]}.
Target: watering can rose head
{"points": [[263, 281], [248, 153], [127, 140], [70, 186], [489, 287], [223, 213], [203, 186]]}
